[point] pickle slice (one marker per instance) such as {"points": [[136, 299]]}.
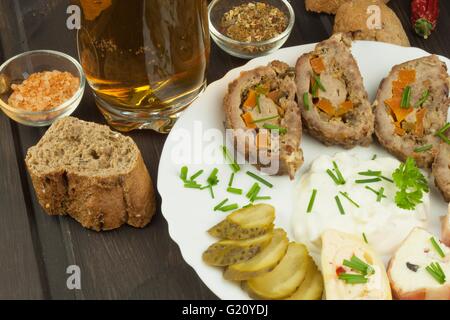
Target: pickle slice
{"points": [[227, 252], [285, 278], [312, 287], [245, 223], [264, 261]]}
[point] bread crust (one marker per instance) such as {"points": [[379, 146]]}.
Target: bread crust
{"points": [[326, 6], [352, 17], [97, 202]]}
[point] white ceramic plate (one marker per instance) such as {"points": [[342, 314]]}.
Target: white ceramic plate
{"points": [[189, 212]]}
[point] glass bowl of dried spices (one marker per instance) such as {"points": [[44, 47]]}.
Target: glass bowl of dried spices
{"points": [[38, 87], [249, 29]]}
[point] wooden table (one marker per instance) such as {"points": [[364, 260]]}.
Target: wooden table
{"points": [[36, 249]]}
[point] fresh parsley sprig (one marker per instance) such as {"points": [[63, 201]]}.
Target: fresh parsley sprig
{"points": [[411, 184]]}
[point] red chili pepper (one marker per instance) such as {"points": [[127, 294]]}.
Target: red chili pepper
{"points": [[340, 270], [424, 16]]}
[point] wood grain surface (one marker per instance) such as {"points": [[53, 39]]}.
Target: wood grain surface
{"points": [[35, 249]]}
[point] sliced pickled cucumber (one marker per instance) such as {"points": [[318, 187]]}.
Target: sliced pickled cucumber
{"points": [[227, 252], [285, 278], [262, 262], [245, 223], [312, 287]]}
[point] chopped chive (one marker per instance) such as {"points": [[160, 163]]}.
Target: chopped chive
{"points": [[358, 265], [339, 204], [204, 187], [234, 190], [258, 106], [233, 165], [368, 180], [212, 179], [370, 173], [353, 278], [441, 133], [258, 178], [423, 148], [263, 198], [247, 205], [306, 101], [437, 247], [255, 193], [380, 194], [230, 182], [311, 201], [374, 157], [387, 179], [435, 270], [374, 191], [268, 126], [422, 99], [192, 186], [314, 89], [319, 83], [220, 204], [406, 97], [252, 190], [265, 119], [229, 207], [365, 238], [333, 177], [211, 191], [195, 175], [346, 196], [184, 173], [338, 172]]}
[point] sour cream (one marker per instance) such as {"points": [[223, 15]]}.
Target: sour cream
{"points": [[384, 224]]}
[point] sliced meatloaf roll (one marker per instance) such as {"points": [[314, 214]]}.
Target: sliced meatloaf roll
{"points": [[410, 107], [332, 99], [441, 165], [261, 109]]}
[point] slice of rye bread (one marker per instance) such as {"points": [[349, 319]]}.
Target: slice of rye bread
{"points": [[95, 175]]}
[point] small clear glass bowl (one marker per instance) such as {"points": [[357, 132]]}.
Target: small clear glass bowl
{"points": [[20, 67], [247, 50]]}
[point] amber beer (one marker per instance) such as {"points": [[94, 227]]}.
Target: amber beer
{"points": [[145, 60]]}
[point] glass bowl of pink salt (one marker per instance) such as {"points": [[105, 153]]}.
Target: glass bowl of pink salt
{"points": [[38, 87]]}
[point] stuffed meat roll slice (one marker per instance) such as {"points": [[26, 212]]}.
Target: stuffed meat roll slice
{"points": [[441, 165], [332, 99], [411, 107], [261, 110]]}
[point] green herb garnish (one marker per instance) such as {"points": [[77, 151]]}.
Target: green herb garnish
{"points": [[437, 247], [441, 133], [351, 278], [422, 99], [338, 173], [365, 238], [374, 157], [311, 201], [377, 179], [230, 207], [435, 270], [406, 97], [184, 173], [233, 165], [339, 205], [221, 203], [375, 191], [281, 130], [196, 175], [265, 119], [358, 265], [263, 198], [423, 148], [319, 83], [306, 101], [230, 182], [192, 185], [258, 178], [380, 194], [411, 184], [370, 173], [234, 190], [346, 196], [258, 105]]}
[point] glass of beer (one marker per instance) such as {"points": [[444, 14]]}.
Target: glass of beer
{"points": [[145, 60]]}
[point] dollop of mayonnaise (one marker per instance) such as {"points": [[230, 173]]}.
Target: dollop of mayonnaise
{"points": [[384, 224]]}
